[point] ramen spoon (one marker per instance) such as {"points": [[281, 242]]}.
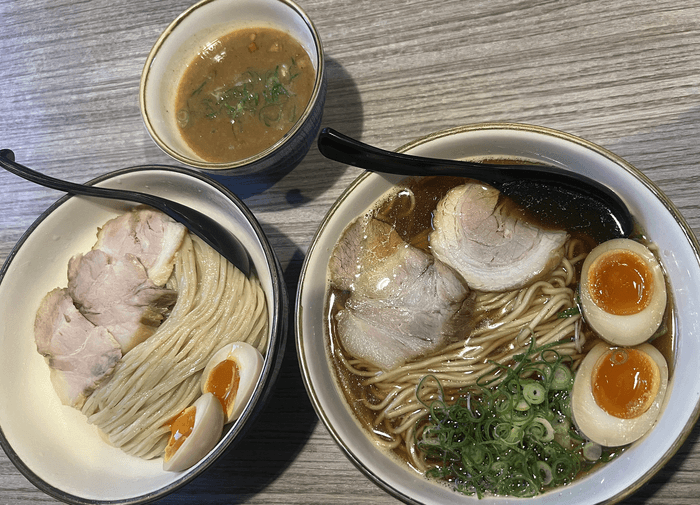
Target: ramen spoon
{"points": [[549, 194], [206, 228]]}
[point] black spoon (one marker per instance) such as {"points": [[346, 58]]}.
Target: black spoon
{"points": [[223, 241], [550, 194]]}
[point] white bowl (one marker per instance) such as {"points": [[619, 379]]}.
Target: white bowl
{"points": [[52, 444], [185, 38], [680, 254]]}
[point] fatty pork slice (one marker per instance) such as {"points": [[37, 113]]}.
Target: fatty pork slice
{"points": [[149, 235], [80, 355], [403, 304], [344, 264], [116, 293], [492, 250]]}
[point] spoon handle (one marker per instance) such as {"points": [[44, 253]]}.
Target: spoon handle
{"points": [[523, 183], [198, 223], [7, 162], [339, 147]]}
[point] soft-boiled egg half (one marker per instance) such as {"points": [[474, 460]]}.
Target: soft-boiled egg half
{"points": [[193, 433], [231, 375], [618, 393], [623, 292]]}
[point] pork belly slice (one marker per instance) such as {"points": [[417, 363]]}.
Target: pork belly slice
{"points": [[344, 264], [149, 235], [403, 304], [80, 355], [492, 250], [116, 293]]}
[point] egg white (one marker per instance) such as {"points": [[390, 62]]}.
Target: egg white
{"points": [[206, 432], [594, 422], [249, 362], [624, 330]]}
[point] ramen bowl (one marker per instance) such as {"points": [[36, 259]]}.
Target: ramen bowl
{"points": [[677, 248], [193, 33], [52, 444]]}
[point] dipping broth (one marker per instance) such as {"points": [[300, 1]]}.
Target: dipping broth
{"points": [[393, 404], [243, 93]]}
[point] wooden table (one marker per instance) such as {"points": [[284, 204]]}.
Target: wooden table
{"points": [[624, 74]]}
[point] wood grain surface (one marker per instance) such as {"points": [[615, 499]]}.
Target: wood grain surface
{"points": [[621, 73]]}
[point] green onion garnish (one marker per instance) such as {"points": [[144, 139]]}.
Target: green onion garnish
{"points": [[511, 435]]}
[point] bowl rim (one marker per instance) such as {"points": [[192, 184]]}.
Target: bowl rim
{"points": [[316, 93], [467, 128], [271, 366]]}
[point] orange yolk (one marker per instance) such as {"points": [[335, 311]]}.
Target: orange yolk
{"points": [[223, 383], [620, 283], [180, 429], [625, 382]]}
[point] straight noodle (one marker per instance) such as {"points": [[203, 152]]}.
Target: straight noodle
{"points": [[217, 305], [505, 325]]}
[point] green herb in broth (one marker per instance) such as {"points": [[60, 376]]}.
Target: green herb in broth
{"points": [[512, 435], [257, 96], [573, 311], [243, 93]]}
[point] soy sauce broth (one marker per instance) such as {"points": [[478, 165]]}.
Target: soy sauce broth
{"points": [[243, 93], [409, 210]]}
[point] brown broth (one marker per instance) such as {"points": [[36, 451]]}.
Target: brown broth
{"points": [[243, 93], [412, 220]]}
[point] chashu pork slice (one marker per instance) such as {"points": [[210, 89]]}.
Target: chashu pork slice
{"points": [[118, 294], [149, 235], [403, 304], [344, 264], [80, 355], [492, 250]]}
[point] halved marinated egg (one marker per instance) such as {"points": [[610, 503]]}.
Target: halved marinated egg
{"points": [[193, 433], [231, 375], [623, 292], [618, 393]]}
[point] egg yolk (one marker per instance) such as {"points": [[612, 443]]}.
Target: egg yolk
{"points": [[620, 283], [223, 383], [625, 382], [180, 429]]}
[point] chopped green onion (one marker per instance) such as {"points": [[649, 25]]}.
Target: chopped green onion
{"points": [[592, 451], [548, 434], [534, 392], [522, 405], [256, 94], [560, 377], [510, 435], [571, 311], [545, 471]]}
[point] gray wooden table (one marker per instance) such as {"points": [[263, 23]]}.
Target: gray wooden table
{"points": [[624, 74]]}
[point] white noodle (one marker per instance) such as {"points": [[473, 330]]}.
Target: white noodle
{"points": [[505, 324], [160, 377]]}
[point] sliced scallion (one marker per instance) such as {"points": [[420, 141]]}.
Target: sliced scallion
{"points": [[511, 435]]}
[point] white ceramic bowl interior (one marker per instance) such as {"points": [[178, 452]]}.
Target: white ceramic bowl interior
{"points": [[52, 444], [679, 253], [187, 36]]}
